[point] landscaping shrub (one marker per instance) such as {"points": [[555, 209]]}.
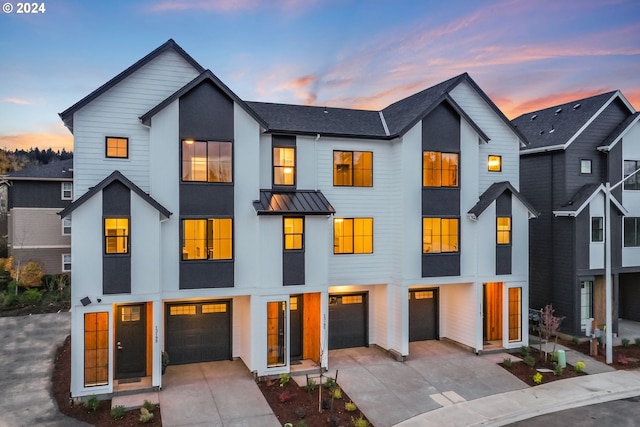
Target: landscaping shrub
{"points": [[575, 340], [117, 412], [311, 384], [30, 275], [92, 404], [524, 351], [31, 297], [537, 378], [557, 370], [331, 383], [579, 366], [359, 422], [284, 379], [625, 342], [507, 362], [350, 406], [337, 393], [149, 406], [145, 415], [638, 342], [529, 360]]}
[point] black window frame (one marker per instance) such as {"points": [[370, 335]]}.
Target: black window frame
{"points": [[127, 237], [440, 168], [353, 236], [206, 239], [353, 168], [458, 231], [597, 229], [499, 157], [106, 147], [285, 234], [207, 144], [508, 232], [631, 241], [295, 165], [632, 183]]}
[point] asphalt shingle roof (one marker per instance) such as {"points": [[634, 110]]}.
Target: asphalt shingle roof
{"points": [[62, 170], [556, 125], [492, 193]]}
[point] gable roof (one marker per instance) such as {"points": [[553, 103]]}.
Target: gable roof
{"points": [[391, 122], [619, 132], [555, 128], [55, 171], [115, 176], [582, 198], [67, 115], [492, 193], [305, 202], [206, 75]]}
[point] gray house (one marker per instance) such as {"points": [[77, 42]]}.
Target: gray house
{"points": [[573, 150], [35, 231]]}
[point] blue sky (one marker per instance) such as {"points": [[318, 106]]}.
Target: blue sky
{"points": [[359, 54]]}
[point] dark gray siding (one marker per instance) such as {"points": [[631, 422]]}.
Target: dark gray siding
{"points": [[116, 268], [441, 132], [206, 114], [503, 252], [36, 194], [564, 280], [293, 267], [583, 239]]}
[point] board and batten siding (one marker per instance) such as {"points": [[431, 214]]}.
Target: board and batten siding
{"points": [[116, 113], [503, 141]]}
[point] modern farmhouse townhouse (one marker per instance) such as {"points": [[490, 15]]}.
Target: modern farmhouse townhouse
{"points": [[213, 228]]}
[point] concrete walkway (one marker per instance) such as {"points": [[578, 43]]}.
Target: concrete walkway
{"points": [[27, 350]]}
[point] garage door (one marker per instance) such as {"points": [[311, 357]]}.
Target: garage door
{"points": [[423, 314], [347, 321], [198, 332]]}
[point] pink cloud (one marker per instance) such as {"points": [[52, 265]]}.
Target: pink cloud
{"points": [[513, 108], [225, 6], [17, 101]]}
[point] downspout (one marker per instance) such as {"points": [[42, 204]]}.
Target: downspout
{"points": [[315, 157]]}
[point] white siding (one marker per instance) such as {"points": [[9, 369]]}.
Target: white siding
{"points": [[241, 338], [502, 142], [519, 241], [459, 313], [116, 113], [410, 212], [398, 318], [145, 247]]}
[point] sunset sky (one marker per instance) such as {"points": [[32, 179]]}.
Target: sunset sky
{"points": [[525, 55]]}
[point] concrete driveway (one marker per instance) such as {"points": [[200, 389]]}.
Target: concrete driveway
{"points": [[27, 349]]}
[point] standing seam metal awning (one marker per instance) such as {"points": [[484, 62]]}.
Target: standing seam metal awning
{"points": [[306, 202]]}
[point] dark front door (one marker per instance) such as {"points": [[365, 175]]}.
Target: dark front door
{"points": [[423, 315], [347, 321], [131, 343], [295, 319]]}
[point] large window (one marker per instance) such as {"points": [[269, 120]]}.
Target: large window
{"points": [[284, 166], [353, 168], [503, 230], [66, 191], [631, 231], [597, 229], [439, 169], [209, 238], [96, 349], [439, 235], [353, 235], [117, 147], [586, 303], [116, 235], [206, 161], [633, 183], [293, 233]]}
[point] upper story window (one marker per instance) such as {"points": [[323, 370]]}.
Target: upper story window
{"points": [[439, 169], [440, 235], [494, 163], [597, 229], [66, 226], [207, 238], [117, 147], [631, 232], [353, 235], [503, 230], [585, 166], [66, 191], [116, 235], [66, 262], [353, 168], [633, 183], [293, 233], [206, 161], [284, 166]]}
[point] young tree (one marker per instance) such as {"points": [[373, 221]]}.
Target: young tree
{"points": [[549, 326]]}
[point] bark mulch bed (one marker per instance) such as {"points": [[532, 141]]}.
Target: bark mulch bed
{"points": [[61, 379], [623, 357], [525, 372], [293, 404]]}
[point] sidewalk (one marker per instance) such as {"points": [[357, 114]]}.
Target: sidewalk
{"points": [[603, 384]]}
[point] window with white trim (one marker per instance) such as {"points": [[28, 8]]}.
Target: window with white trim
{"points": [[66, 262], [66, 226], [66, 191]]}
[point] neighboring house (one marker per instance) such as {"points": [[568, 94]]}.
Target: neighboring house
{"points": [[35, 231], [574, 149], [214, 228]]}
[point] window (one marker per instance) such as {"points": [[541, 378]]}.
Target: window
{"points": [[66, 226], [293, 233], [66, 262], [207, 238], [353, 235], [494, 164], [633, 183], [67, 191], [631, 232], [276, 333], [284, 166], [515, 314], [503, 230], [439, 235], [96, 349], [117, 147], [116, 235], [182, 310], [597, 230], [353, 168], [585, 166], [586, 303], [206, 161], [439, 169]]}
